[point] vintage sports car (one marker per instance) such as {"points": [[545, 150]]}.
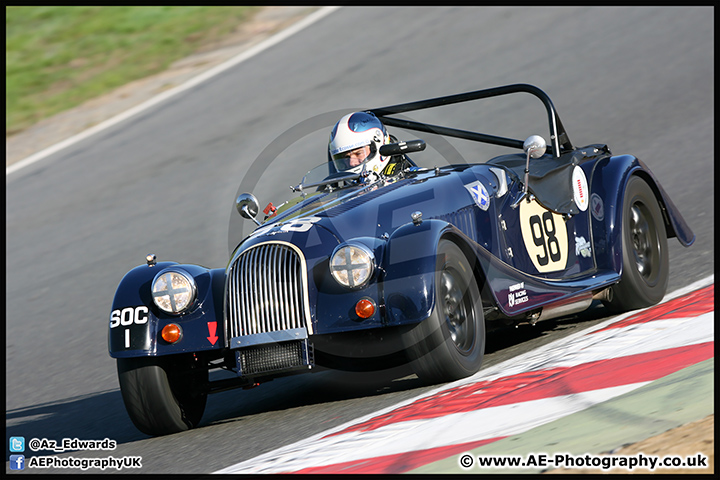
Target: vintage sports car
{"points": [[365, 271]]}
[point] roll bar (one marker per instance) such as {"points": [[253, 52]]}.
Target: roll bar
{"points": [[559, 141]]}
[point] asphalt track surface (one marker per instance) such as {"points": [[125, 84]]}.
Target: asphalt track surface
{"points": [[638, 79]]}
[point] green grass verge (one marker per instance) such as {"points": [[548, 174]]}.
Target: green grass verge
{"points": [[58, 57]]}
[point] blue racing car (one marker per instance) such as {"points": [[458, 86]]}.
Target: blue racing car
{"points": [[378, 262]]}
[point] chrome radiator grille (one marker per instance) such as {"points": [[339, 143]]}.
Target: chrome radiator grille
{"points": [[267, 291]]}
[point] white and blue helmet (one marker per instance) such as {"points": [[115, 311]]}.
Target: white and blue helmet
{"points": [[355, 130]]}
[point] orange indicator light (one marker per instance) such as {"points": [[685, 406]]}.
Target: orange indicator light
{"points": [[365, 308], [171, 333]]}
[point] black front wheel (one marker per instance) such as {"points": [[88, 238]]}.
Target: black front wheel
{"points": [[646, 268], [450, 344], [163, 395]]}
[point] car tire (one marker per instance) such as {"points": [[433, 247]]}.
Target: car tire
{"points": [[162, 395], [645, 269], [450, 344]]}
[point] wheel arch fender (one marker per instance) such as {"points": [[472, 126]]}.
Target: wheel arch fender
{"points": [[609, 180], [675, 224], [135, 322], [410, 262]]}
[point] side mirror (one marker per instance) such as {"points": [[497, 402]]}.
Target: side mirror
{"points": [[535, 146], [247, 206]]}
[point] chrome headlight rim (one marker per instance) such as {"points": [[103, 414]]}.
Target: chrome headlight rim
{"points": [[343, 276], [173, 305]]}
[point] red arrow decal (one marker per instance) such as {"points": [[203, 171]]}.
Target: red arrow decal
{"points": [[212, 327]]}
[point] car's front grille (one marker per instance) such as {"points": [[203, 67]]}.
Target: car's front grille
{"points": [[267, 291]]}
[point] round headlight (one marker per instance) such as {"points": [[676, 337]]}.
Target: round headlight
{"points": [[352, 265], [173, 291]]}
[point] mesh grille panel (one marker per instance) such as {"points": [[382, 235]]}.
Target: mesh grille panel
{"points": [[272, 357]]}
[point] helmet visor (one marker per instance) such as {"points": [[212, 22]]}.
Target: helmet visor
{"points": [[353, 158]]}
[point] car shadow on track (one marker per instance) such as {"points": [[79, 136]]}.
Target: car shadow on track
{"points": [[87, 417], [321, 387], [507, 341]]}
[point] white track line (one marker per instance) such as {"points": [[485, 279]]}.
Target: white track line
{"points": [[275, 39]]}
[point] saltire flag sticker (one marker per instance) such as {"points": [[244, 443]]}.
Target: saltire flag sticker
{"points": [[479, 194]]}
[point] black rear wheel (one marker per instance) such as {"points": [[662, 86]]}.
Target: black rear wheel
{"points": [[163, 395], [645, 253], [450, 344]]}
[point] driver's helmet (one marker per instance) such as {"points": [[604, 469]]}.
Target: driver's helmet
{"points": [[355, 140]]}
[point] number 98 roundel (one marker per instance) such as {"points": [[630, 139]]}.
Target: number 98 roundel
{"points": [[545, 237]]}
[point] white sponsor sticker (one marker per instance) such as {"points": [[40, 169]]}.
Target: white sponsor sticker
{"points": [[582, 247], [580, 189], [518, 297]]}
